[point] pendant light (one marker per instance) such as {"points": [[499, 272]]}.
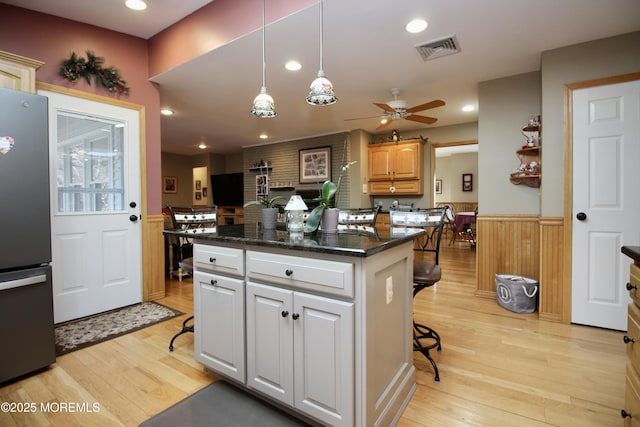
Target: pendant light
{"points": [[263, 104], [321, 88]]}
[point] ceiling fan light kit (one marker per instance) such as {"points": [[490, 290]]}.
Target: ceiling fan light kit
{"points": [[263, 104], [321, 89], [398, 109]]}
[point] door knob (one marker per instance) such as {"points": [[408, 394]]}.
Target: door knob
{"points": [[581, 216], [133, 204], [133, 218]]}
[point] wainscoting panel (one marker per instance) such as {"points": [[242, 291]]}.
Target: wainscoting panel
{"points": [[552, 296], [152, 257], [507, 244]]}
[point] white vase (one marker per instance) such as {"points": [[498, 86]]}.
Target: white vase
{"points": [[269, 218], [329, 222]]}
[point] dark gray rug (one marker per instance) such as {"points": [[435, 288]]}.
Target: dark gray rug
{"points": [[81, 333], [224, 405]]}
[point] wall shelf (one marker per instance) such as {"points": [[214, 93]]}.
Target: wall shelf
{"points": [[529, 171]]}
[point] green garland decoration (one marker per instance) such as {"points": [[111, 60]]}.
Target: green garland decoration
{"points": [[75, 67]]}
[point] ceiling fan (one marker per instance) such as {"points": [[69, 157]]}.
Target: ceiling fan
{"points": [[397, 109]]}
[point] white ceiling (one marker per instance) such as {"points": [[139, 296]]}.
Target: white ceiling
{"points": [[366, 54]]}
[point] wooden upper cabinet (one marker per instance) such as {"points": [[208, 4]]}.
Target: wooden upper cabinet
{"points": [[18, 72], [395, 161]]}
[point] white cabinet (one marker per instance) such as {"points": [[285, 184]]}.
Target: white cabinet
{"points": [[300, 350], [219, 323]]}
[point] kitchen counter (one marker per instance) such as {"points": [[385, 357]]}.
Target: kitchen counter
{"points": [[632, 252], [362, 242]]}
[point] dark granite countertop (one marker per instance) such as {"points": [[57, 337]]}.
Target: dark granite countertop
{"points": [[360, 243], [632, 252]]}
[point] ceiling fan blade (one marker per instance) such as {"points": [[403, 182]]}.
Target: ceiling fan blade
{"points": [[421, 119], [384, 125], [432, 104], [385, 107], [362, 118]]}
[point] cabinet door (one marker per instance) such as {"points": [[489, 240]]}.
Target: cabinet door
{"points": [[324, 358], [407, 161], [219, 323], [380, 162], [270, 341]]}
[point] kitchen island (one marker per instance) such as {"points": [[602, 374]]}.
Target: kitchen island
{"points": [[318, 324]]}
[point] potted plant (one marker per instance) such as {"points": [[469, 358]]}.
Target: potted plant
{"points": [[328, 194], [269, 210]]}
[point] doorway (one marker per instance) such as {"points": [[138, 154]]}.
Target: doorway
{"points": [[605, 203], [95, 204]]}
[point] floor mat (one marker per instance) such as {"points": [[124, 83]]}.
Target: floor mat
{"points": [[222, 404], [81, 333]]}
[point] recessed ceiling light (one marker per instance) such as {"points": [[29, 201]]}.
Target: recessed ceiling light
{"points": [[264, 136], [384, 121], [293, 66], [166, 112], [416, 26], [136, 4], [469, 107], [202, 146]]}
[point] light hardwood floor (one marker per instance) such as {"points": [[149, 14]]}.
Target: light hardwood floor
{"points": [[497, 368]]}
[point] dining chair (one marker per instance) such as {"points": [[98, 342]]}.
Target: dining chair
{"points": [[354, 218], [426, 273]]}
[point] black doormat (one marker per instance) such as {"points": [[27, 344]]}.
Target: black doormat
{"points": [[222, 404], [81, 333]]}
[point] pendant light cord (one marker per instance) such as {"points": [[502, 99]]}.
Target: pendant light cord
{"points": [[264, 56], [321, 34]]}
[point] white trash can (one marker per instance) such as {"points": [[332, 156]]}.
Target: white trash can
{"points": [[516, 293]]}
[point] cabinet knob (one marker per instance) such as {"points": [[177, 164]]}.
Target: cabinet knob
{"points": [[284, 313], [288, 272], [625, 414], [214, 282], [630, 286], [295, 316], [212, 260], [628, 340]]}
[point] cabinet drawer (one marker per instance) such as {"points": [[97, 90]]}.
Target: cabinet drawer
{"points": [[219, 259], [326, 276], [633, 332], [632, 397], [635, 280], [413, 187]]}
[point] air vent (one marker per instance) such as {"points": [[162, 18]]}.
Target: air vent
{"points": [[438, 48]]}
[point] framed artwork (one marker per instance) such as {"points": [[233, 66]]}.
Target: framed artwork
{"points": [[438, 186], [198, 195], [467, 182], [204, 191], [169, 184], [315, 165], [198, 185]]}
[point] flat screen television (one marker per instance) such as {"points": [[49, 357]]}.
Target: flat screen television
{"points": [[227, 189]]}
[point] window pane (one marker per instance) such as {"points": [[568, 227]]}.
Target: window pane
{"points": [[89, 164]]}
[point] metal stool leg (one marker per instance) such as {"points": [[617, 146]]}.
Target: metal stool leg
{"points": [[424, 333], [185, 328]]}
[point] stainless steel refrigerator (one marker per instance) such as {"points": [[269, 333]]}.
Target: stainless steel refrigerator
{"points": [[26, 300]]}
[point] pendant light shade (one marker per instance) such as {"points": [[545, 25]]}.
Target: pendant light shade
{"points": [[263, 104], [321, 89]]}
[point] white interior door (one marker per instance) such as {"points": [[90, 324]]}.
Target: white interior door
{"points": [[95, 204], [606, 201]]}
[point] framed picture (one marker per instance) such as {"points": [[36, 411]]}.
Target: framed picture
{"points": [[467, 182], [198, 195], [204, 191], [169, 184], [315, 165], [198, 185], [438, 186]]}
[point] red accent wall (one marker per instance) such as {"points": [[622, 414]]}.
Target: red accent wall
{"points": [[51, 39]]}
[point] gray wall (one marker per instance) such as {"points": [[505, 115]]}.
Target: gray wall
{"points": [[505, 106]]}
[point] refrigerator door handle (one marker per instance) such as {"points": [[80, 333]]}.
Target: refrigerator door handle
{"points": [[23, 282]]}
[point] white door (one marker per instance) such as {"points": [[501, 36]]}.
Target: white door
{"points": [[606, 201], [95, 204]]}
